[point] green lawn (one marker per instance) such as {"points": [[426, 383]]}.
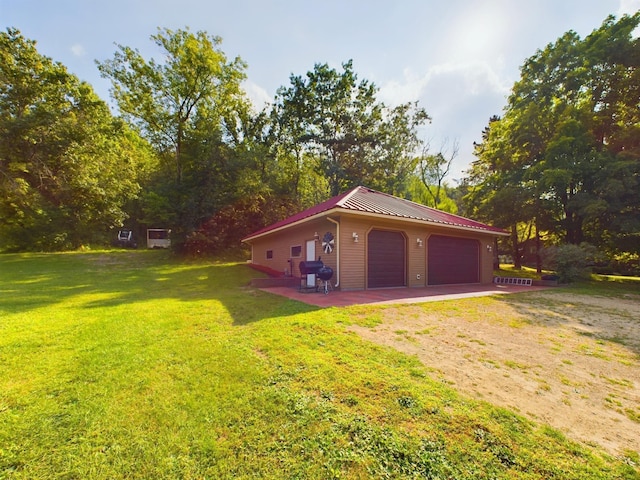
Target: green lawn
{"points": [[136, 365], [508, 270]]}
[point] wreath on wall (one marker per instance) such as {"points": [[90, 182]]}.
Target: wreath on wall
{"points": [[328, 242]]}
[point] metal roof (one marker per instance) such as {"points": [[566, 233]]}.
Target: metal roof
{"points": [[366, 201]]}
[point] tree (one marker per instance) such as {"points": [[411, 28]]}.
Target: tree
{"points": [[416, 191], [67, 167], [394, 156], [192, 109], [587, 93], [497, 190], [225, 230], [432, 170], [565, 155], [167, 100], [332, 119]]}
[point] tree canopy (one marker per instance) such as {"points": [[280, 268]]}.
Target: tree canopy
{"points": [[67, 167], [191, 108], [168, 101], [352, 138], [566, 151], [189, 152]]}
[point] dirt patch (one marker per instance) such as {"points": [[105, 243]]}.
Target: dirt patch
{"points": [[571, 361]]}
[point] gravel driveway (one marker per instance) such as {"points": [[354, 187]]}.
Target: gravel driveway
{"points": [[569, 360]]}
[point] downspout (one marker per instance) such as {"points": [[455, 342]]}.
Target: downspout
{"points": [[337, 250]]}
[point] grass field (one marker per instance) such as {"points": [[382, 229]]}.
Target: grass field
{"points": [[137, 365]]}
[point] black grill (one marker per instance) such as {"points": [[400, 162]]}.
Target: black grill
{"points": [[316, 267], [325, 273], [310, 267]]}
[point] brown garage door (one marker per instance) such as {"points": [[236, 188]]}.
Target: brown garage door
{"points": [[452, 260], [386, 259]]}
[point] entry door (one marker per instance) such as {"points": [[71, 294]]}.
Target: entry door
{"points": [[311, 256]]}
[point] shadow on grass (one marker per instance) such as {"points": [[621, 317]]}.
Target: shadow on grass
{"points": [[108, 279]]}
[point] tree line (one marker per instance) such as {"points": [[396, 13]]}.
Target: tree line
{"points": [[562, 163], [187, 150], [185, 146]]}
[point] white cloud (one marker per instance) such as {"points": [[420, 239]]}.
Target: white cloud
{"points": [[628, 7], [459, 97], [78, 50], [258, 95], [409, 89], [454, 80], [479, 31]]}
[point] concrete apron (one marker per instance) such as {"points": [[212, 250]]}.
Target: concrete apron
{"points": [[404, 295]]}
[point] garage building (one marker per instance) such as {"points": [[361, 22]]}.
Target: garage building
{"points": [[375, 240]]}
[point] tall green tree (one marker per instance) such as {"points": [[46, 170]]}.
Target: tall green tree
{"points": [[416, 191], [567, 144], [67, 167], [497, 190], [166, 100], [335, 120], [588, 92], [192, 109]]}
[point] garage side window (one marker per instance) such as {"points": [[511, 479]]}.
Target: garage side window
{"points": [[269, 254], [296, 251]]}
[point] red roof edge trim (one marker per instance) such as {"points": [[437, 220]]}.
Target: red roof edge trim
{"points": [[309, 212], [358, 200]]}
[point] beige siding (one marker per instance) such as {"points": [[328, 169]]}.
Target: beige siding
{"points": [[417, 259], [486, 259], [353, 255], [280, 244]]}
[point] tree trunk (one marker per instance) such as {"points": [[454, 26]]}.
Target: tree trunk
{"points": [[517, 261], [178, 153], [538, 247]]}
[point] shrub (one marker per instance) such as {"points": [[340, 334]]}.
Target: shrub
{"points": [[626, 264], [569, 262], [232, 223]]}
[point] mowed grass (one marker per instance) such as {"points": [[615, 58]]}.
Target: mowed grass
{"points": [[138, 365]]}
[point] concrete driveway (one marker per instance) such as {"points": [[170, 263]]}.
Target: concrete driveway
{"points": [[387, 296]]}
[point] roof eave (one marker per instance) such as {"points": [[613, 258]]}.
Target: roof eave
{"points": [[426, 222], [250, 238], [383, 216]]}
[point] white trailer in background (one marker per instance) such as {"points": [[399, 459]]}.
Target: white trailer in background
{"points": [[158, 238]]}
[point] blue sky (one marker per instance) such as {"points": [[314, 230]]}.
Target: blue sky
{"points": [[457, 58]]}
